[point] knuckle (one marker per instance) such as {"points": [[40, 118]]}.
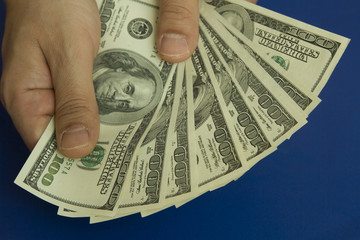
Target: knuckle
{"points": [[8, 98], [74, 110], [175, 11], [65, 49]]}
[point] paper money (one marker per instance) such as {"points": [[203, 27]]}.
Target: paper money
{"points": [[254, 144], [279, 115], [305, 99], [142, 188], [181, 169], [178, 179], [185, 128], [94, 183], [218, 158], [308, 53]]}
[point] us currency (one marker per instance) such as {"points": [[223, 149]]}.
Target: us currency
{"points": [[165, 139], [240, 105], [161, 168], [278, 115], [305, 99], [79, 214], [142, 188], [65, 212], [70, 213], [181, 169], [219, 162], [181, 175], [308, 53], [255, 145], [93, 184]]}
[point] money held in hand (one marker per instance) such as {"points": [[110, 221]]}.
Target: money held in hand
{"points": [[171, 132]]}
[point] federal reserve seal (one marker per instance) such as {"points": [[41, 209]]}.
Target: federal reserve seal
{"points": [[140, 28]]}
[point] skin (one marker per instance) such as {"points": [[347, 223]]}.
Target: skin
{"points": [[120, 86], [48, 51]]}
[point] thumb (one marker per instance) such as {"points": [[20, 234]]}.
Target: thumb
{"points": [[178, 29], [76, 112]]}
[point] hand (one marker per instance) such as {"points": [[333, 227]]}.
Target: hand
{"points": [[48, 51], [178, 29]]}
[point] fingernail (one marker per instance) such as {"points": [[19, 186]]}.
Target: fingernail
{"points": [[74, 138], [173, 45]]}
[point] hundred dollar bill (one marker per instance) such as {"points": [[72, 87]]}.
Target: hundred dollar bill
{"points": [[278, 115], [308, 53], [180, 169], [162, 163], [181, 183], [305, 99], [219, 162], [130, 81], [98, 3], [255, 145], [146, 188], [65, 212], [143, 186]]}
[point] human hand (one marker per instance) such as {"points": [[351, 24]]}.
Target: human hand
{"points": [[48, 51], [178, 29]]}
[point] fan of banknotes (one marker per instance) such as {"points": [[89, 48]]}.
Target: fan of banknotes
{"points": [[188, 128]]}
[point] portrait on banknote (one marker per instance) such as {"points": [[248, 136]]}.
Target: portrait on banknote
{"points": [[204, 96], [225, 84], [160, 120], [236, 15], [127, 86]]}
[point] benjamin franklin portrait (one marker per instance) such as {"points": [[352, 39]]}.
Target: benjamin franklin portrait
{"points": [[127, 86], [204, 97], [238, 17]]}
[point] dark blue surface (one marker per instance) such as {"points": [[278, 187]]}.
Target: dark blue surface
{"points": [[307, 189]]}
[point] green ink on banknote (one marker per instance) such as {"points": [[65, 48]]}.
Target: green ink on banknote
{"points": [[281, 61], [93, 160]]}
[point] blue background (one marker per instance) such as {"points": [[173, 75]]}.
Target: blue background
{"points": [[307, 189]]}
